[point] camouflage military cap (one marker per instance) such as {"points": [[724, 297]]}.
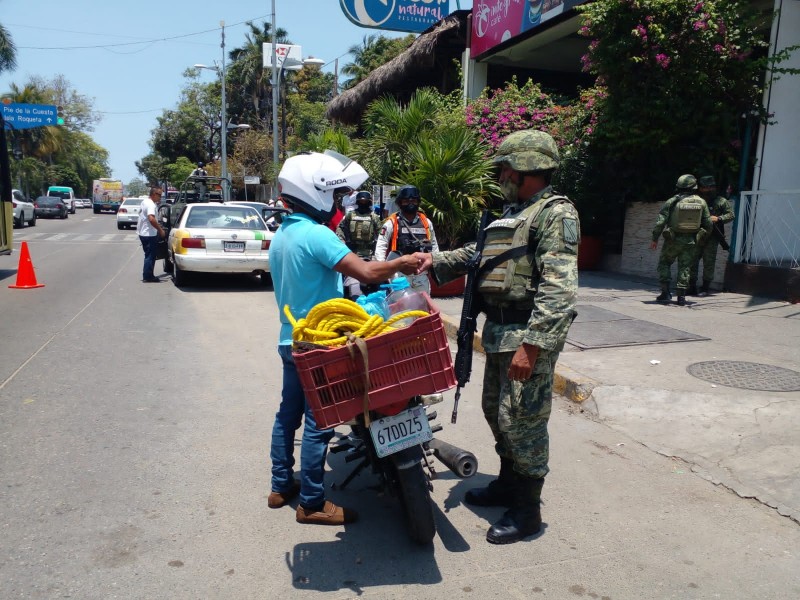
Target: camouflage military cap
{"points": [[707, 181], [528, 150], [686, 182]]}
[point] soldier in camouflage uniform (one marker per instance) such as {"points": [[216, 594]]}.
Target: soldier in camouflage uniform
{"points": [[529, 302], [721, 212], [359, 231], [684, 222]]}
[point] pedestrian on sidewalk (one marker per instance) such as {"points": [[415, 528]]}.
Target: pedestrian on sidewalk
{"points": [[306, 259], [529, 301], [149, 230], [721, 212], [684, 221]]}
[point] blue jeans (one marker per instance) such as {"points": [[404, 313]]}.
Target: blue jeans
{"points": [[314, 448], [149, 245]]}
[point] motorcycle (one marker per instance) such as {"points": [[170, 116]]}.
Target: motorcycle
{"points": [[398, 448]]}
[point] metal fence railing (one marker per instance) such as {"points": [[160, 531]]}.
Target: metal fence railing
{"points": [[767, 230]]}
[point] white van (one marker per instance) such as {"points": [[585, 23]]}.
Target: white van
{"points": [[66, 194]]}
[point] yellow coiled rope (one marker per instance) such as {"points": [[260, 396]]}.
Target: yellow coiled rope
{"points": [[329, 322]]}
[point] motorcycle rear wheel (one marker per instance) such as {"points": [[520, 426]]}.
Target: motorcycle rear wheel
{"points": [[416, 499]]}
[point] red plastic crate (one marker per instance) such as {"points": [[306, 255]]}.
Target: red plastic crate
{"points": [[404, 363]]}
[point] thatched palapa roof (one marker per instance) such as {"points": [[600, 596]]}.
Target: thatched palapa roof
{"points": [[425, 63]]}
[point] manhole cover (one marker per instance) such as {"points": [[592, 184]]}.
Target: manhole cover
{"points": [[595, 299], [746, 375]]}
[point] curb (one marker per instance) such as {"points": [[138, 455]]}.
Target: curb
{"points": [[566, 382]]}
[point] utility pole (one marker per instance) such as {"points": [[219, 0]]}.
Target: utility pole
{"points": [[224, 128], [274, 106]]}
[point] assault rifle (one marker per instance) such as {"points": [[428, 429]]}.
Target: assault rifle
{"points": [[469, 316], [719, 232]]}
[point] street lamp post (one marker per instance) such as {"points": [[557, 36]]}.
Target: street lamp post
{"points": [[224, 125]]}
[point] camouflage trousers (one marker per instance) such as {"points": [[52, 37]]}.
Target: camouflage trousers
{"points": [[686, 254], [517, 411], [708, 254]]}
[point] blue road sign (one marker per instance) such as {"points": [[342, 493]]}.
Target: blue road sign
{"points": [[397, 15], [28, 116]]}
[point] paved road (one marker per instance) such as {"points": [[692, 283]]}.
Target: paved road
{"points": [[134, 428]]}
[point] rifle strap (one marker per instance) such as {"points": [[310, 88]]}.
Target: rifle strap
{"points": [[356, 343]]}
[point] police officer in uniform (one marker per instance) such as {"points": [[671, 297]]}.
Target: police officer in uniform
{"points": [[721, 212], [405, 232], [685, 223], [359, 231], [529, 302]]}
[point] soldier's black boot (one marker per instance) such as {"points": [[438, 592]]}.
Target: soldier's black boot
{"points": [[704, 289], [499, 492], [524, 518], [681, 297], [665, 296]]}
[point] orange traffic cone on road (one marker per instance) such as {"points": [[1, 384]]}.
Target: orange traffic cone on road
{"points": [[26, 277]]}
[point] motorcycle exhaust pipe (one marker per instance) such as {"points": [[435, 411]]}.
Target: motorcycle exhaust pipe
{"points": [[462, 463]]}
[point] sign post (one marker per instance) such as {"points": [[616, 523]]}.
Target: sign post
{"points": [[29, 116]]}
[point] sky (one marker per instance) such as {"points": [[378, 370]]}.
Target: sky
{"points": [[131, 84]]}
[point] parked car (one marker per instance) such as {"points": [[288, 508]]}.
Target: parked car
{"points": [[51, 206], [211, 237], [128, 213], [24, 211]]}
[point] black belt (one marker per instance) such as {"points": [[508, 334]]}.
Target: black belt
{"points": [[507, 316]]}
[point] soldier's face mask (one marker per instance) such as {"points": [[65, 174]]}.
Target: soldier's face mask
{"points": [[509, 185], [364, 208], [707, 193]]}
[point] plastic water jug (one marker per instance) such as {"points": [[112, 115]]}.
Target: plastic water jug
{"points": [[402, 298]]}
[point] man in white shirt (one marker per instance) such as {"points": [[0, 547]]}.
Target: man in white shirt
{"points": [[149, 231]]}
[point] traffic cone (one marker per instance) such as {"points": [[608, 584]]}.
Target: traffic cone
{"points": [[26, 277]]}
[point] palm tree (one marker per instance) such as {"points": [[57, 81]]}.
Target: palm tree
{"points": [[8, 52], [421, 144], [374, 51], [249, 82], [455, 180]]}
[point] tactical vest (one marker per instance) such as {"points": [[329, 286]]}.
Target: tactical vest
{"points": [[513, 280], [406, 236], [687, 214], [362, 232]]}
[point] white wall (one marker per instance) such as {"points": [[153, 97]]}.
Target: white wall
{"points": [[774, 228]]}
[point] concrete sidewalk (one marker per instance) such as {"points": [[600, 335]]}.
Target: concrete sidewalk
{"points": [[628, 361]]}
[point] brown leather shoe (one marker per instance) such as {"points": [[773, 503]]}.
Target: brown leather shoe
{"points": [[279, 499], [330, 514]]}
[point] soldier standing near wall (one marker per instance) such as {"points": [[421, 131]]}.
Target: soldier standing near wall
{"points": [[721, 212], [685, 222]]}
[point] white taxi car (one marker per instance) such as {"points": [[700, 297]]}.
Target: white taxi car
{"points": [[218, 238]]}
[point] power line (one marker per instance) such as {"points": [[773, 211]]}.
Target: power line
{"points": [[149, 42]]}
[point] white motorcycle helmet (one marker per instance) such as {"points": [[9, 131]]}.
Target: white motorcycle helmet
{"points": [[309, 180]]}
